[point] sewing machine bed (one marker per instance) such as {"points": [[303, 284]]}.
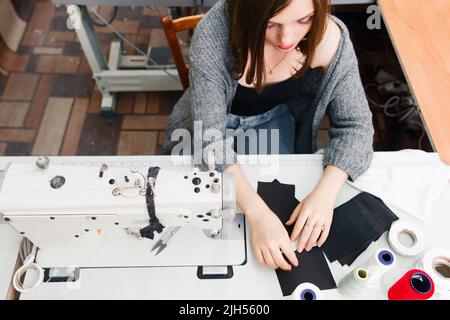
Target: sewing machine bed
{"points": [[105, 230], [114, 247]]}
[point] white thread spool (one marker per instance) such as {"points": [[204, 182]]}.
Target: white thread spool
{"points": [[406, 229], [436, 263], [377, 265], [306, 291], [28, 266], [354, 282]]}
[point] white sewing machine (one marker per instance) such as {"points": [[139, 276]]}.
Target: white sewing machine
{"points": [[88, 216]]}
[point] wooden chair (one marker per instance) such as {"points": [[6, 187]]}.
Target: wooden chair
{"points": [[171, 27]]}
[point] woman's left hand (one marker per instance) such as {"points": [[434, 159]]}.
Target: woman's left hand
{"points": [[312, 217]]}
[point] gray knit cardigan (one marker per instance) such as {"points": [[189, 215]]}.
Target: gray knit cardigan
{"points": [[339, 92]]}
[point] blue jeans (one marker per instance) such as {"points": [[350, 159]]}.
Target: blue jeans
{"points": [[279, 118]]}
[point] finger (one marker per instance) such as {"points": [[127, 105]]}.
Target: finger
{"points": [[324, 235], [314, 236], [278, 258], [289, 253], [268, 260], [295, 214], [306, 233], [299, 225], [259, 256]]}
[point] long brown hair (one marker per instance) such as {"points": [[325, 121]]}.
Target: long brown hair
{"points": [[248, 20]]}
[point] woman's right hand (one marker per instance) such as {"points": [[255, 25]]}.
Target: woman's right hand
{"points": [[269, 236], [270, 240]]}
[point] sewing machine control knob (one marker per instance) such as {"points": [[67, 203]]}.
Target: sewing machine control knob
{"points": [[42, 162], [196, 181]]}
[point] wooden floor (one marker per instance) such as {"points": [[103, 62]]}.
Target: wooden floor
{"points": [[49, 104]]}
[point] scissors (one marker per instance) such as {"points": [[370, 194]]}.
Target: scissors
{"points": [[162, 242]]}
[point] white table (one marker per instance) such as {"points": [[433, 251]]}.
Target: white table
{"points": [[251, 281]]}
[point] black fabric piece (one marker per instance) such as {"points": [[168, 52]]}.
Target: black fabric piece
{"points": [[380, 222], [349, 230], [280, 198], [155, 225], [313, 267], [356, 224], [351, 257]]}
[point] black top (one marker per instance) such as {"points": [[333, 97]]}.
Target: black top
{"points": [[247, 102]]}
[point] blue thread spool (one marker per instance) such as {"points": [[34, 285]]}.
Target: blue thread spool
{"points": [[308, 294], [306, 291], [386, 258]]}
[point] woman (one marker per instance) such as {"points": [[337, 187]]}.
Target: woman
{"points": [[279, 64]]}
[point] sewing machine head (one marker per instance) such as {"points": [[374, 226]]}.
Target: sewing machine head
{"points": [[102, 207]]}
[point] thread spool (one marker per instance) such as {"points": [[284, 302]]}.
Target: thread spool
{"points": [[354, 282], [436, 263], [401, 230], [28, 266], [414, 285], [377, 265], [306, 291]]}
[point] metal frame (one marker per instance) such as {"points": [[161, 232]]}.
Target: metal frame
{"points": [[120, 73]]}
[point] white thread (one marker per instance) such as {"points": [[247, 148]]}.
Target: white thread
{"points": [[407, 228], [377, 265], [27, 266], [354, 282], [436, 263]]}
